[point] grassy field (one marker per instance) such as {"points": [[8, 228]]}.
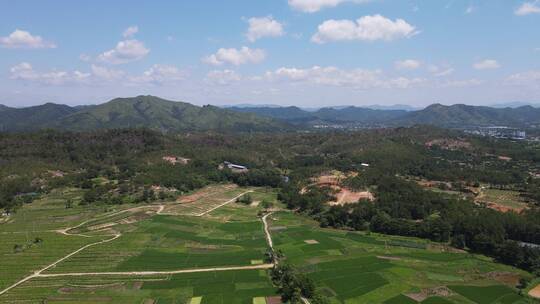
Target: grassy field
{"points": [[505, 198], [352, 267]]}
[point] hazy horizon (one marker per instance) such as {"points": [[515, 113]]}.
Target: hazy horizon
{"points": [[290, 52]]}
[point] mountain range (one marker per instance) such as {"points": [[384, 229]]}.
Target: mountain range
{"points": [[165, 115], [455, 116], [137, 112]]}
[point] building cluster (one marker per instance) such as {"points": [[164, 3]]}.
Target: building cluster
{"points": [[500, 132]]}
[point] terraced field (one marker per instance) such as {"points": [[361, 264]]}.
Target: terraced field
{"points": [[230, 235], [235, 287], [348, 267], [206, 200], [353, 267]]}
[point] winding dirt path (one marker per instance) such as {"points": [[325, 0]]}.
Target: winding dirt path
{"points": [[267, 231]]}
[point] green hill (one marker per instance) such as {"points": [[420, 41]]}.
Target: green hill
{"points": [[160, 114], [463, 115], [32, 118]]}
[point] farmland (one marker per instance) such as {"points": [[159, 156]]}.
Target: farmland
{"points": [[150, 246], [143, 241], [352, 267]]}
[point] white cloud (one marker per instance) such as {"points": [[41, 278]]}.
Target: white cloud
{"points": [[160, 74], [408, 64], [470, 9], [263, 27], [24, 71], [528, 8], [367, 28], [223, 77], [130, 31], [124, 52], [20, 39], [440, 71], [312, 6], [530, 78], [487, 64], [462, 83], [236, 56], [107, 73], [99, 75], [333, 76]]}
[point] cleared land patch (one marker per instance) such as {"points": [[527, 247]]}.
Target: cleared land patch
{"points": [[205, 200]]}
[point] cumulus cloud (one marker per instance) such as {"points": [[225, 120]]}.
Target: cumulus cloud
{"points": [[24, 71], [20, 39], [124, 52], [263, 27], [130, 31], [160, 74], [333, 76], [487, 64], [408, 64], [107, 74], [234, 56], [312, 6], [367, 28], [528, 8], [98, 75], [223, 77]]}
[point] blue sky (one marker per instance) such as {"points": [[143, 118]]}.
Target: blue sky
{"points": [[288, 52]]}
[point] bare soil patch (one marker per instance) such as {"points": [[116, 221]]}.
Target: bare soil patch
{"points": [[508, 278], [440, 291], [311, 242], [535, 292], [205, 192], [273, 300], [346, 196], [343, 194]]}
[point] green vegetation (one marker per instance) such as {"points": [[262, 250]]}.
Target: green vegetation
{"points": [[165, 203], [352, 267], [235, 287], [137, 112]]}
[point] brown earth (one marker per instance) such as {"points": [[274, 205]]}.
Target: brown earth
{"points": [[535, 292], [205, 192]]}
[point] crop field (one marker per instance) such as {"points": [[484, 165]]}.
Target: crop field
{"points": [[231, 235], [355, 267], [15, 264], [348, 267], [205, 199], [165, 242], [235, 287]]}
